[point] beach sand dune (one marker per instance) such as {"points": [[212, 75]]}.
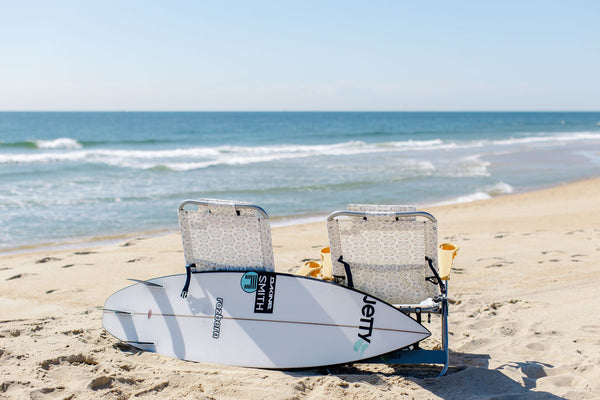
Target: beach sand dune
{"points": [[523, 321]]}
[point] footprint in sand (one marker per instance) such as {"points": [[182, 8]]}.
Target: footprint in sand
{"points": [[47, 259], [44, 392], [101, 382], [132, 242], [501, 263], [75, 359], [19, 276], [489, 258], [576, 257], [552, 252], [577, 231], [537, 346], [154, 389], [595, 329]]}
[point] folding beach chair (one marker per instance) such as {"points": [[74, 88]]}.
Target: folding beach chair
{"points": [[391, 252], [224, 235]]}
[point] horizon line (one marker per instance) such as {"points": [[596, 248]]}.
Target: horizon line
{"points": [[302, 111]]}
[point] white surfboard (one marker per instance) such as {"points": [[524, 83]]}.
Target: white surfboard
{"points": [[257, 319]]}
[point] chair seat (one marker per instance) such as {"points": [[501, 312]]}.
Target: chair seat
{"points": [[428, 305]]}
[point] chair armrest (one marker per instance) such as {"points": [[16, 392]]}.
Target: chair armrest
{"points": [[446, 254]]}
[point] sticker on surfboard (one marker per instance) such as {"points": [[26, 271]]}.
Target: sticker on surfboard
{"points": [[249, 282], [263, 285]]}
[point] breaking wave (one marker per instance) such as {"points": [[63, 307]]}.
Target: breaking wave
{"points": [[204, 157], [185, 159], [60, 143], [486, 193]]}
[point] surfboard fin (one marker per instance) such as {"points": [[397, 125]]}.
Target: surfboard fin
{"points": [[146, 346], [149, 284], [118, 311]]}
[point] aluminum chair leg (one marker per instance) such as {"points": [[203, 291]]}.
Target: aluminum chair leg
{"points": [[445, 347]]}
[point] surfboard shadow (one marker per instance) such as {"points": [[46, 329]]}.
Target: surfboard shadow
{"points": [[164, 304]]}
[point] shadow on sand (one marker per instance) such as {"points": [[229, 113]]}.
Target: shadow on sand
{"points": [[468, 377]]}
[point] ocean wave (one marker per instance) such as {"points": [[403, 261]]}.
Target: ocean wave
{"points": [[70, 143], [200, 157], [23, 145], [185, 159], [470, 166], [60, 143], [486, 193], [473, 166], [499, 189], [563, 137]]}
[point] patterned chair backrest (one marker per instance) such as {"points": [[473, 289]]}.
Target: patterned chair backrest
{"points": [[385, 248], [381, 208], [225, 235]]}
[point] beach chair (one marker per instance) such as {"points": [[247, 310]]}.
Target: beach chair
{"points": [[391, 252], [220, 235]]}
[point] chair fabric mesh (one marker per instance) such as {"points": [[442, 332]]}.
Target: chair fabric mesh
{"points": [[217, 236], [386, 255]]}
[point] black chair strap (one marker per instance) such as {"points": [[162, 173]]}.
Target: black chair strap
{"points": [[348, 272], [188, 278], [436, 280]]}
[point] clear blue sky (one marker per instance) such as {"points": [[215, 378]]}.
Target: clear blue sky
{"points": [[299, 55]]}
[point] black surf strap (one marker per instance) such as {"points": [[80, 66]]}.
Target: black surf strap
{"points": [[188, 278]]}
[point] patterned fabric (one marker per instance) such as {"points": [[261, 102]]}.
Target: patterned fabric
{"points": [[380, 208], [386, 255], [219, 236]]}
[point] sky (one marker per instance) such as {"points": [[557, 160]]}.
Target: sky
{"points": [[147, 55]]}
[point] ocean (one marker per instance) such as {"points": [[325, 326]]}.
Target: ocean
{"points": [[68, 176]]}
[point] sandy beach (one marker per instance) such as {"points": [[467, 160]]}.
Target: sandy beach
{"points": [[523, 319]]}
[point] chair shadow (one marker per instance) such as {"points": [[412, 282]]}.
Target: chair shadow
{"points": [[468, 376]]}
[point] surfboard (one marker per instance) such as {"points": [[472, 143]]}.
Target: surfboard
{"points": [[257, 319]]}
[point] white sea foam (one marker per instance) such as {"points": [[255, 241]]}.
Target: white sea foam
{"points": [[564, 137], [474, 166], [60, 143], [468, 198], [486, 193], [198, 157], [468, 166], [181, 159], [499, 188]]}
